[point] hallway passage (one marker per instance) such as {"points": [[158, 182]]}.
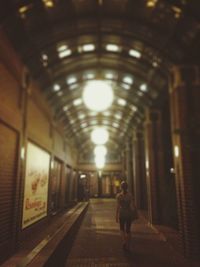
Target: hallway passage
{"points": [[98, 242]]}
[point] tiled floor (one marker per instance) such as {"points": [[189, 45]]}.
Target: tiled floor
{"points": [[98, 242]]}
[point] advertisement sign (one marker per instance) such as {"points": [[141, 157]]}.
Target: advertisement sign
{"points": [[36, 185]]}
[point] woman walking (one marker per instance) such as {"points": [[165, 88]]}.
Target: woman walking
{"points": [[124, 211]]}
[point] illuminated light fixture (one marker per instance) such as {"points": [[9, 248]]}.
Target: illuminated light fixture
{"points": [[64, 53], [48, 3], [109, 75], [128, 79], [112, 48], [77, 102], [89, 75], [140, 93], [100, 160], [151, 3], [81, 116], [155, 64], [126, 86], [99, 136], [73, 86], [60, 93], [118, 116], [83, 125], [100, 150], [62, 48], [134, 108], [143, 87], [98, 95], [86, 48], [56, 87], [106, 113], [176, 151], [100, 164], [23, 10], [177, 12], [115, 124], [121, 101], [134, 53], [71, 80], [44, 57], [65, 108]]}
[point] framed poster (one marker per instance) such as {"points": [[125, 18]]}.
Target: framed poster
{"points": [[36, 185]]}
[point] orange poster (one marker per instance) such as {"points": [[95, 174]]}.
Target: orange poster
{"points": [[36, 185]]}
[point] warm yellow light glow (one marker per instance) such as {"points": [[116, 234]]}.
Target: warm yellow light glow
{"points": [[99, 136], [98, 95], [151, 3], [48, 3]]}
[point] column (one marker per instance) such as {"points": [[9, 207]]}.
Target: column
{"points": [[153, 162], [185, 123], [139, 175], [129, 165]]}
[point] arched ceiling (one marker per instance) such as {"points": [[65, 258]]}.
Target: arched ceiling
{"points": [[131, 44]]}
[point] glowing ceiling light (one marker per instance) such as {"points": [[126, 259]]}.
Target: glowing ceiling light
{"points": [[89, 75], [98, 95], [100, 165], [100, 150], [86, 48], [65, 108], [64, 53], [81, 116], [128, 79], [77, 102], [62, 48], [140, 93], [112, 48], [99, 136], [118, 116], [133, 108], [60, 93], [83, 125], [56, 87], [143, 87], [71, 80], [109, 75], [121, 101], [48, 3], [115, 124], [126, 86], [151, 3], [134, 53]]}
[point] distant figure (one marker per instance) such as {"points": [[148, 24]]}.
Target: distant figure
{"points": [[125, 206]]}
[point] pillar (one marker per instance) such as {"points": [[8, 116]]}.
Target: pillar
{"points": [[129, 165], [139, 175], [153, 162], [185, 123]]}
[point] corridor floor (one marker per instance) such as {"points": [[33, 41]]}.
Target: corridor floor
{"points": [[98, 242]]}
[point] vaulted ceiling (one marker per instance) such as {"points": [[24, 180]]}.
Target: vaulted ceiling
{"points": [[131, 44]]}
